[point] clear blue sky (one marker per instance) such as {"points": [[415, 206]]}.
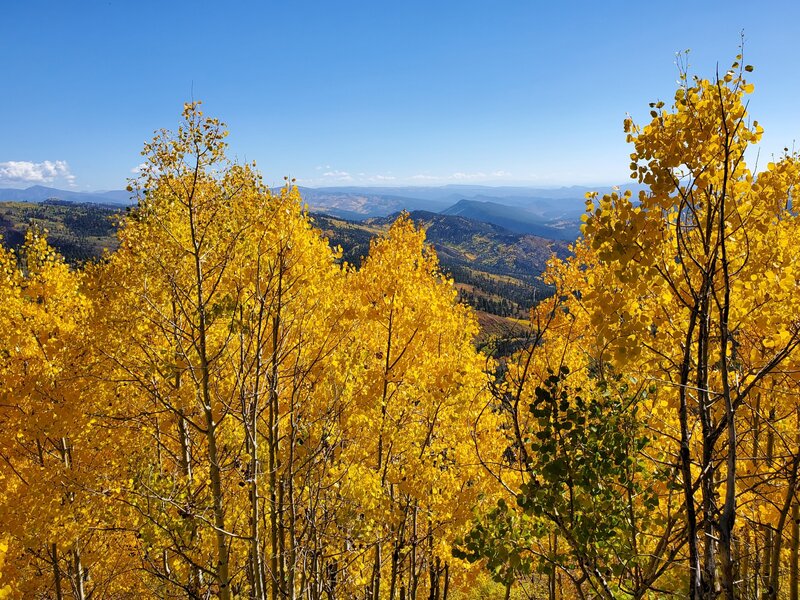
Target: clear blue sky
{"points": [[372, 92]]}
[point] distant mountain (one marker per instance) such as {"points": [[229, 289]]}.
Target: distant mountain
{"points": [[554, 208], [363, 203], [561, 225], [549, 212], [40, 193], [450, 193]]}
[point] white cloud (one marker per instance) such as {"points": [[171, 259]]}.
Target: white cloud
{"points": [[139, 168], [337, 175], [467, 176], [333, 176], [24, 171], [464, 176]]}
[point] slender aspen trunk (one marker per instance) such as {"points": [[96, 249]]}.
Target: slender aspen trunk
{"points": [[728, 517], [80, 591], [273, 440], [795, 551], [195, 577], [395, 567], [795, 535], [250, 410], [433, 572], [709, 578], [290, 475], [53, 550], [75, 566], [256, 567], [777, 542], [332, 571], [282, 555], [767, 591], [376, 569], [551, 577], [413, 580], [751, 558], [376, 573], [186, 456], [56, 572], [744, 557], [695, 573], [436, 577], [757, 566], [214, 469], [215, 476]]}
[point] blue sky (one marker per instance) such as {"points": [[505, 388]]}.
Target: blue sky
{"points": [[370, 92]]}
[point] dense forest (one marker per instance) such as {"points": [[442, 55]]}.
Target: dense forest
{"points": [[223, 407]]}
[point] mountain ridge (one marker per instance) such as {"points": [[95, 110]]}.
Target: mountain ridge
{"points": [[40, 193]]}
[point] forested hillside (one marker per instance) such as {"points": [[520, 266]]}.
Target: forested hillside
{"points": [[497, 271], [80, 232], [225, 406]]}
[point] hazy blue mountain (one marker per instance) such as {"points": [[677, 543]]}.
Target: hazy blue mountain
{"points": [[362, 203], [40, 193], [448, 192], [122, 196], [518, 220], [452, 192], [548, 212], [558, 207]]}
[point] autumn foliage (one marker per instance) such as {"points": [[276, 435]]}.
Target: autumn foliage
{"points": [[223, 408]]}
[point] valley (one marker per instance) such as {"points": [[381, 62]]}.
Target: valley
{"points": [[496, 269]]}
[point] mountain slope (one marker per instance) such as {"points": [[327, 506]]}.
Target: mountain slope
{"points": [[80, 232]]}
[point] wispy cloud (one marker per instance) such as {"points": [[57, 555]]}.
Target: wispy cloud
{"points": [[332, 176], [336, 175], [463, 176], [24, 171], [139, 168]]}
